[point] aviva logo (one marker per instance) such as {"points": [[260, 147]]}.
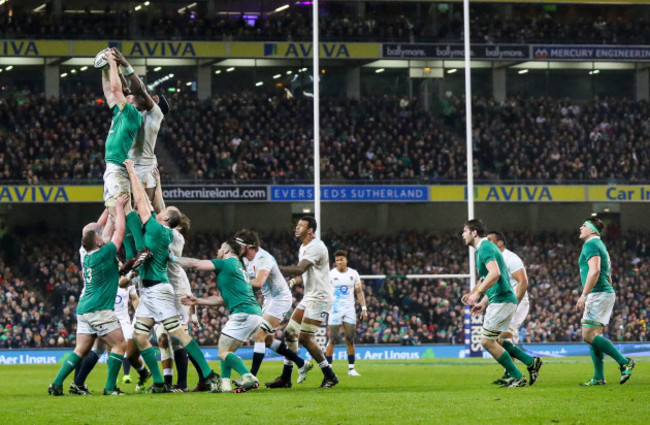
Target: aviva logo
{"points": [[162, 48], [304, 50], [18, 48]]}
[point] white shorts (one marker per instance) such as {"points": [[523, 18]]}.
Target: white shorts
{"points": [[498, 317], [99, 323], [116, 183], [315, 309], [147, 175], [127, 329], [242, 326], [598, 309], [182, 310], [157, 302], [342, 313], [277, 307], [518, 318]]}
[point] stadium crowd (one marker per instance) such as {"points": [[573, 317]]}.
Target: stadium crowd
{"points": [[246, 137], [577, 24], [40, 291]]}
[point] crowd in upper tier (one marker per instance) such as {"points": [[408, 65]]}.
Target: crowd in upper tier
{"points": [[40, 290], [247, 137], [402, 22]]}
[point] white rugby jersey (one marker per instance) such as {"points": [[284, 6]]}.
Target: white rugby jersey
{"points": [[316, 278], [176, 274], [344, 285], [142, 151], [122, 302], [275, 285], [513, 263]]}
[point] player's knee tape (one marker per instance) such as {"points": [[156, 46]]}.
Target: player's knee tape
{"points": [[266, 327], [141, 328], [172, 324], [292, 330], [308, 328]]}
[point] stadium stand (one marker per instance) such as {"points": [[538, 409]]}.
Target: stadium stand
{"points": [[417, 22], [247, 138], [39, 293]]}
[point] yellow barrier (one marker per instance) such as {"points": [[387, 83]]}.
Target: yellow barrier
{"points": [[50, 194]]}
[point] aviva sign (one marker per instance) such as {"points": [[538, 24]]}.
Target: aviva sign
{"points": [[305, 50]]}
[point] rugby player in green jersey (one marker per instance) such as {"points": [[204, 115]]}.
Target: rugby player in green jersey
{"points": [[597, 301], [95, 312], [501, 301], [125, 124], [245, 313], [156, 293]]}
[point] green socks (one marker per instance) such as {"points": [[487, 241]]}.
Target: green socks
{"points": [[66, 368], [194, 352], [114, 362], [235, 362], [604, 345], [225, 370], [506, 361], [597, 358], [149, 356], [134, 225], [516, 352]]}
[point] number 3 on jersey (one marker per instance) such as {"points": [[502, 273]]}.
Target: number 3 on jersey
{"points": [[88, 275]]}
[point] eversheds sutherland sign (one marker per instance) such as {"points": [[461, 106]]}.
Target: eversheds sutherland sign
{"points": [[215, 193], [454, 51]]}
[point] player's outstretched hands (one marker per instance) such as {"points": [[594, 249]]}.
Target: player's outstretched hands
{"points": [[189, 300], [464, 299], [119, 58], [122, 200], [129, 165]]}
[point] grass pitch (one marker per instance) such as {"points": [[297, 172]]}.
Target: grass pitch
{"points": [[406, 392]]}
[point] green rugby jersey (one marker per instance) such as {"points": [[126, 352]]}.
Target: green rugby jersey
{"points": [[101, 275], [124, 127], [235, 287], [501, 291], [592, 248], [157, 238]]}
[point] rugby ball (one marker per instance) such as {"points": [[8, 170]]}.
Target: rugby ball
{"points": [[100, 60]]}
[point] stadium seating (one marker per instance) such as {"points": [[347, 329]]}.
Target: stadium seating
{"points": [[536, 140], [424, 22], [39, 293]]}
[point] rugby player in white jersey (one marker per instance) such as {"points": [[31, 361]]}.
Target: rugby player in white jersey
{"points": [[519, 282], [313, 272], [124, 295], [345, 282], [265, 275]]}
